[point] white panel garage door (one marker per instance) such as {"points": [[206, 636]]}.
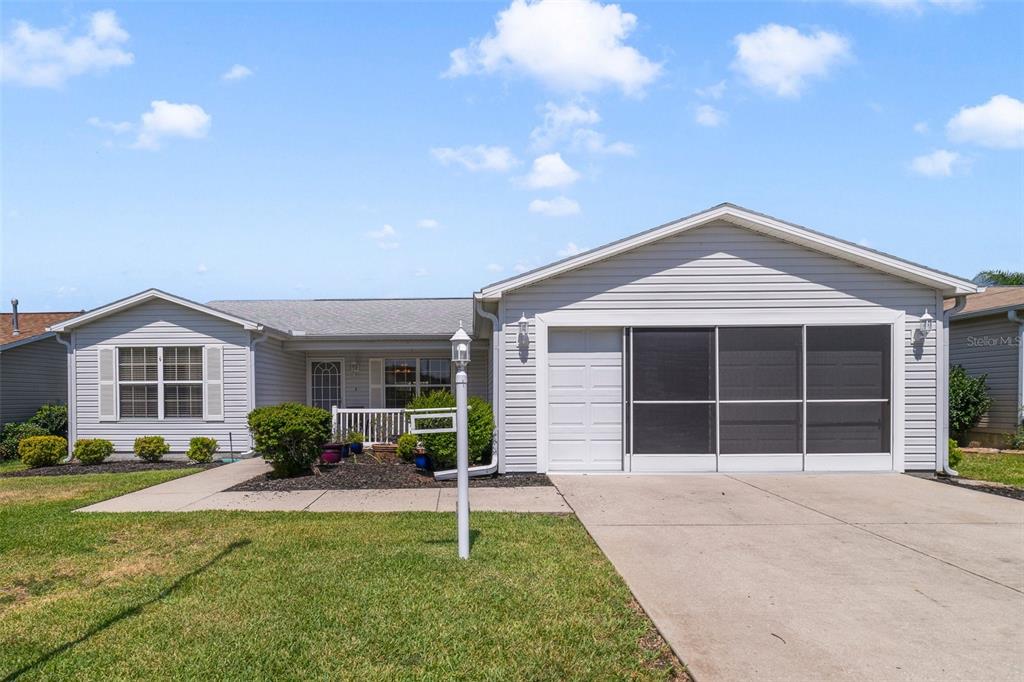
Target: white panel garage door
{"points": [[585, 399]]}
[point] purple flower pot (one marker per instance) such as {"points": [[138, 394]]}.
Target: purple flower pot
{"points": [[332, 453]]}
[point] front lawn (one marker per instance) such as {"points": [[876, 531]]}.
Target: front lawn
{"points": [[1000, 467], [260, 596]]}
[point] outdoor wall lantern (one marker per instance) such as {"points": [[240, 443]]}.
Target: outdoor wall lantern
{"points": [[926, 325], [460, 347], [524, 332]]}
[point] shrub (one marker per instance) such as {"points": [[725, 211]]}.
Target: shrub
{"points": [[53, 418], [42, 451], [1015, 441], [13, 433], [955, 454], [354, 436], [290, 436], [441, 446], [151, 448], [968, 400], [201, 449], [406, 449], [92, 450]]}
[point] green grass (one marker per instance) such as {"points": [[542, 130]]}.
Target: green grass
{"points": [[999, 467], [261, 596]]}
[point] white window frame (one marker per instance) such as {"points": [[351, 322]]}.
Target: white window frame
{"points": [[417, 385], [309, 376], [159, 382]]}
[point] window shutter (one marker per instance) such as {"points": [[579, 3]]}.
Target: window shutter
{"points": [[376, 382], [107, 383], [213, 383]]}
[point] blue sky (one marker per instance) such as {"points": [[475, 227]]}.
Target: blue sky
{"points": [[355, 156]]}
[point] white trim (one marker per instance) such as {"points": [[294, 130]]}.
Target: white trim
{"points": [[946, 283], [540, 344], [143, 297], [310, 359], [206, 383], [694, 318], [897, 412]]}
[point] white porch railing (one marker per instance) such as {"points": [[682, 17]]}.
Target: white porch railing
{"points": [[379, 425]]}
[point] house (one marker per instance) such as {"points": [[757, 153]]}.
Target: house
{"points": [[724, 341], [33, 364], [987, 337]]}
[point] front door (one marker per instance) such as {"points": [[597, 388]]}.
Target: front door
{"points": [[327, 383]]}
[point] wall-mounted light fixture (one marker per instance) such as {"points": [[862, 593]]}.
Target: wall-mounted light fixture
{"points": [[926, 324], [524, 332], [353, 366]]}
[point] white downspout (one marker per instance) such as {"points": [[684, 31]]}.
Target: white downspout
{"points": [[72, 427], [942, 467], [1014, 316], [253, 340]]}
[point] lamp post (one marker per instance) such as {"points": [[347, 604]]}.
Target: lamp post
{"points": [[460, 357]]}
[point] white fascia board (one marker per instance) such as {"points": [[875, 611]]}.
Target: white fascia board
{"points": [[949, 285], [143, 297]]}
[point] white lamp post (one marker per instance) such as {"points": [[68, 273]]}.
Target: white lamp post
{"points": [[460, 356]]}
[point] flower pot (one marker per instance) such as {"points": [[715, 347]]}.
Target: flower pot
{"points": [[332, 453], [423, 462], [356, 448]]}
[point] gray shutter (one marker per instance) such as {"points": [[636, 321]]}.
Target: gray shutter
{"points": [[213, 383], [376, 382], [107, 384]]}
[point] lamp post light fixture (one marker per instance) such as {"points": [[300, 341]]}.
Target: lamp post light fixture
{"points": [[524, 331], [460, 357]]}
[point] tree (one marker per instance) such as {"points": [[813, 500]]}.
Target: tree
{"points": [[999, 278], [968, 400]]}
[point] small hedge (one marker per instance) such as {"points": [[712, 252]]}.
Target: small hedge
{"points": [[93, 450], [406, 449], [53, 418], [14, 433], [151, 448], [441, 446], [202, 449], [290, 436], [955, 454], [42, 451]]}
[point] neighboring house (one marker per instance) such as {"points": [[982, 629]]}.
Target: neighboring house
{"points": [[987, 337], [33, 364], [724, 341]]}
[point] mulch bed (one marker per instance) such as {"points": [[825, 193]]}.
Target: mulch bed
{"points": [[123, 467], [362, 472], [981, 486]]}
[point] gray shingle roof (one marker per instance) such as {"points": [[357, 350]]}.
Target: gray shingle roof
{"points": [[358, 317]]}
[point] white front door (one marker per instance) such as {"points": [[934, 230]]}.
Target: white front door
{"points": [[585, 399], [327, 383]]}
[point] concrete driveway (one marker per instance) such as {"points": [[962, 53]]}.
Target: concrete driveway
{"points": [[809, 577]]}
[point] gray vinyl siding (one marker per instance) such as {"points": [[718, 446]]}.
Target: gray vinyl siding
{"points": [[32, 375], [161, 323], [988, 345], [280, 374], [720, 267]]}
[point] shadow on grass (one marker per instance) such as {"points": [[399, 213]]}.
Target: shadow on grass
{"points": [[129, 612], [474, 534]]}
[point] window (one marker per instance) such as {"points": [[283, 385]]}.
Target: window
{"points": [[327, 384], [141, 382], [406, 378]]}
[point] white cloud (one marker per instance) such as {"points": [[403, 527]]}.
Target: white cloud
{"points": [[571, 45], [921, 127], [939, 164], [202, 269], [570, 250], [47, 57], [236, 73], [428, 224], [594, 142], [478, 158], [998, 123], [555, 208], [386, 237], [567, 122], [917, 7], [116, 127], [494, 267], [550, 171], [715, 91], [781, 60], [708, 116], [166, 119]]}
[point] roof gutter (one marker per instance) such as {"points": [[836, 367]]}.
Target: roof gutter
{"points": [[1014, 316], [942, 467]]}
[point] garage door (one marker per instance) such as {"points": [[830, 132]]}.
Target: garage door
{"points": [[585, 399]]}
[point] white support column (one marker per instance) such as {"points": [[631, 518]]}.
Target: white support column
{"points": [[462, 458]]}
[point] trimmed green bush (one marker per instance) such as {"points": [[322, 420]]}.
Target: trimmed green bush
{"points": [[441, 446], [290, 436], [53, 418], [406, 449], [151, 448], [42, 451], [968, 400], [93, 450], [955, 454], [13, 434], [201, 449]]}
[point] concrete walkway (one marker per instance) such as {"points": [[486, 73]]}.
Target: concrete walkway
{"points": [[205, 491], [815, 577]]}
